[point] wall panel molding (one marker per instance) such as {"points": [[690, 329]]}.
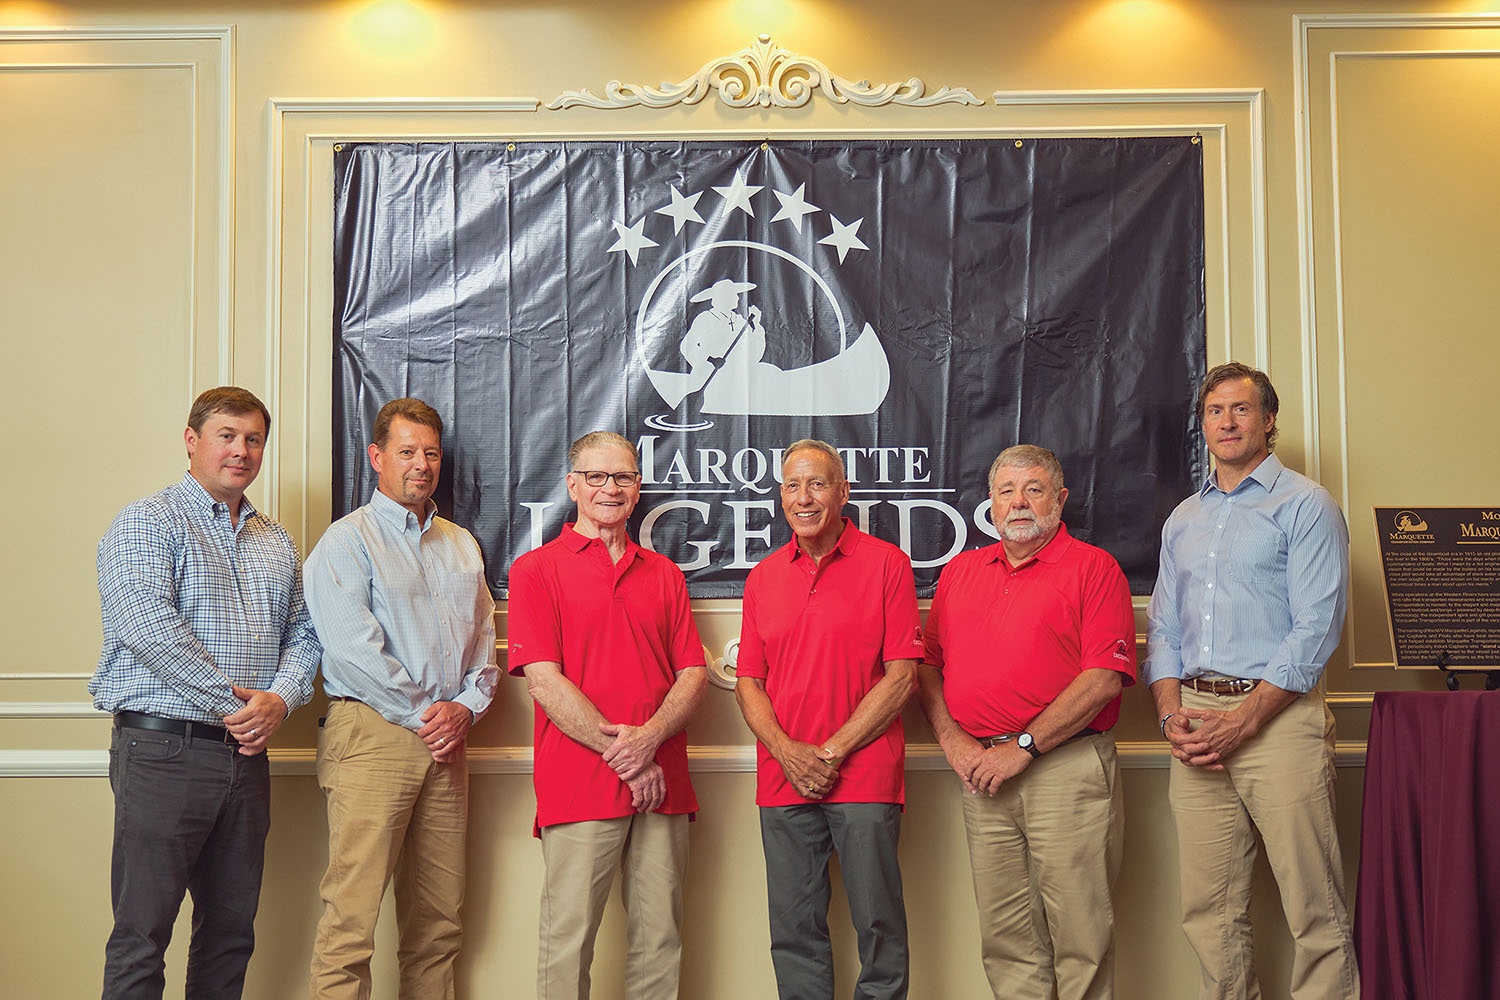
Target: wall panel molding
{"points": [[213, 128], [1303, 28], [1349, 37]]}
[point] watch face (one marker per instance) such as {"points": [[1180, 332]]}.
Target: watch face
{"points": [[1025, 742]]}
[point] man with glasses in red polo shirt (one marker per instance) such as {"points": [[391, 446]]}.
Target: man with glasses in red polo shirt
{"points": [[1029, 643], [602, 631], [828, 657]]}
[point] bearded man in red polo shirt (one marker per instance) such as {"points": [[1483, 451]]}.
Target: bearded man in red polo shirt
{"points": [[1029, 643], [828, 657], [602, 630]]}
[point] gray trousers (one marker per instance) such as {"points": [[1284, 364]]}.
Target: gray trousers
{"points": [[798, 842], [190, 816]]}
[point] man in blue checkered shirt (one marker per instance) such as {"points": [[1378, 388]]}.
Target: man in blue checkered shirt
{"points": [[207, 647]]}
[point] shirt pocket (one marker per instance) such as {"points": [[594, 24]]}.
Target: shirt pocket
{"points": [[1257, 556]]}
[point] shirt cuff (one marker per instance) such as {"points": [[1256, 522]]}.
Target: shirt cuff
{"points": [[1298, 677], [1161, 668], [289, 691], [474, 701]]}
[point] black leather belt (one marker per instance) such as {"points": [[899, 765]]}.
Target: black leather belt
{"points": [[155, 723], [996, 740]]}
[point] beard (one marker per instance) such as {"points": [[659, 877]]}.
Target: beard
{"points": [[1027, 527]]}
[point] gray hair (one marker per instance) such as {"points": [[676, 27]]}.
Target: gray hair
{"points": [[1024, 456], [813, 444], [602, 439]]}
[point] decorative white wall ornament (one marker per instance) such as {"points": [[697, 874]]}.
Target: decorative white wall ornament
{"points": [[766, 74]]}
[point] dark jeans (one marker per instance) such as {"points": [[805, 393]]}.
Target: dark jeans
{"points": [[798, 841], [191, 815]]}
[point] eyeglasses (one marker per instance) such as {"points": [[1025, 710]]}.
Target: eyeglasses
{"points": [[624, 480]]}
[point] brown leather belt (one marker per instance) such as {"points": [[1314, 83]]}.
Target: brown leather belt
{"points": [[1221, 685], [999, 738]]}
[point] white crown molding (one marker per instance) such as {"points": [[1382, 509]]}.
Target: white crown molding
{"points": [[765, 74], [728, 759]]}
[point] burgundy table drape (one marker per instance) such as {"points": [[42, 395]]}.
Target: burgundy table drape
{"points": [[1427, 913]]}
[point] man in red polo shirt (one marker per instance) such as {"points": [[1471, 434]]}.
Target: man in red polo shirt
{"points": [[602, 631], [1029, 644], [828, 656]]}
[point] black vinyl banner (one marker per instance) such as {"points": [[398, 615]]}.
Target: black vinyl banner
{"points": [[919, 304]]}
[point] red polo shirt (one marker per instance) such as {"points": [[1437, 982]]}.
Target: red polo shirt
{"points": [[1009, 639], [819, 635], [621, 632]]}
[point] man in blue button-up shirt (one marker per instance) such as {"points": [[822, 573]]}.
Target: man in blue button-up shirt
{"points": [[1248, 607], [401, 605], [207, 648]]}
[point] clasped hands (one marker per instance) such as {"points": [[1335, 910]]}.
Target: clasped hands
{"points": [[984, 769], [632, 756], [252, 725], [1218, 736], [445, 727], [812, 770]]}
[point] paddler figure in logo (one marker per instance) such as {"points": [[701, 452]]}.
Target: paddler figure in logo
{"points": [[722, 334]]}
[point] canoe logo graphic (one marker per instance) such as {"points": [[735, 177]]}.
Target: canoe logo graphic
{"points": [[706, 344], [1408, 521]]}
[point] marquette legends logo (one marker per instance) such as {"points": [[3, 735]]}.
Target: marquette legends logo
{"points": [[1411, 529], [724, 345]]}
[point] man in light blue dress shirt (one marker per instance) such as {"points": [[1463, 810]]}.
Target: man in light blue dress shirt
{"points": [[1248, 607], [207, 648], [399, 599]]}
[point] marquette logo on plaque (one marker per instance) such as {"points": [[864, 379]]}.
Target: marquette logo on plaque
{"points": [[1410, 529]]}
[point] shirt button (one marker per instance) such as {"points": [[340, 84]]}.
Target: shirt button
{"points": [[1210, 586], [1208, 617], [1210, 555], [1205, 649]]}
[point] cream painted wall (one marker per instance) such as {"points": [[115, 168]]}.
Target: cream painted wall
{"points": [[166, 218]]}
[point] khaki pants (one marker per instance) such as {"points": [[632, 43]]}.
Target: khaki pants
{"points": [[651, 853], [392, 810], [1279, 782], [1045, 852]]}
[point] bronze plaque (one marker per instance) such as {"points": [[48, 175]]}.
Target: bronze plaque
{"points": [[1441, 568]]}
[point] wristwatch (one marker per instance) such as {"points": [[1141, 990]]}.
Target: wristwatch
{"points": [[1025, 742]]}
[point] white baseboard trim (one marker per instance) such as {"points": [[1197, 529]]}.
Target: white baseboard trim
{"points": [[517, 760]]}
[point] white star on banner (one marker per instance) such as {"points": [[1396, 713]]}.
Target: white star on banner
{"points": [[682, 210], [633, 239], [738, 194], [844, 238], [794, 207]]}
